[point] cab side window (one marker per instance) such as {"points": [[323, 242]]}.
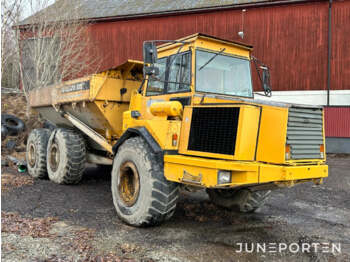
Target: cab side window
{"points": [[179, 73], [174, 75], [156, 85]]}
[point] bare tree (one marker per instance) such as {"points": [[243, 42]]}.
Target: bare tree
{"points": [[55, 45], [10, 15]]}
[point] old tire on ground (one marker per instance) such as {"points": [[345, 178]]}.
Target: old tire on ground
{"points": [[141, 194], [13, 124], [36, 152], [242, 200], [4, 132], [66, 156]]}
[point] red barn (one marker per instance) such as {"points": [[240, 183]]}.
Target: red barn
{"points": [[304, 42]]}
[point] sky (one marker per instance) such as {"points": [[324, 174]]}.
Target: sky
{"points": [[37, 3]]}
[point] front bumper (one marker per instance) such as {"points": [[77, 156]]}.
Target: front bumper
{"points": [[204, 172]]}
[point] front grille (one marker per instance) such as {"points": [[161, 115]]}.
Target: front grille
{"points": [[214, 130], [305, 132]]}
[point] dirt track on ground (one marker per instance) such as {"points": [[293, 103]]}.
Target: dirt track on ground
{"points": [[84, 224]]}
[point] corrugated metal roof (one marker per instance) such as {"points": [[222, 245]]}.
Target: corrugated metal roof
{"points": [[97, 9]]}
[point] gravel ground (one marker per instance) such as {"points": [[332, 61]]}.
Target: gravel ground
{"points": [[84, 225]]}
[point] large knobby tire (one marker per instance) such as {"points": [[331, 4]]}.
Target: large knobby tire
{"points": [[36, 152], [242, 200], [66, 156], [141, 194]]}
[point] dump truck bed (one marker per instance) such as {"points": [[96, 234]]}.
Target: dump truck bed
{"points": [[98, 100]]}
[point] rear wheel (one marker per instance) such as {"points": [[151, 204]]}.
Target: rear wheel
{"points": [[36, 152], [242, 200], [141, 194], [66, 156]]}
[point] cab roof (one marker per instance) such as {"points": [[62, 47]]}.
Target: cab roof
{"points": [[198, 36]]}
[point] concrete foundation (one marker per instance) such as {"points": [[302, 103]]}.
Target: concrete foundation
{"points": [[338, 145]]}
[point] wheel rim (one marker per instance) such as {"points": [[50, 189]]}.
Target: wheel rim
{"points": [[31, 155], [54, 157], [129, 183]]}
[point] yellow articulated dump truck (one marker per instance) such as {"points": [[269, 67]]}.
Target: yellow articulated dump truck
{"points": [[185, 117]]}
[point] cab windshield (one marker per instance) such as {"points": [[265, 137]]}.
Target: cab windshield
{"points": [[223, 74]]}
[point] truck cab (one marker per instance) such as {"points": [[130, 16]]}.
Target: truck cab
{"points": [[200, 109]]}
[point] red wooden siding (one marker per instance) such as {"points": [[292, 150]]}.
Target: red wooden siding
{"points": [[340, 69], [291, 39], [337, 121]]}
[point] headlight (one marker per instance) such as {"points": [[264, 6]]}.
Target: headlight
{"points": [[224, 177]]}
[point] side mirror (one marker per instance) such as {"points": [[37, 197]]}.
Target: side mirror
{"points": [[151, 70], [266, 80], [264, 77], [149, 52]]}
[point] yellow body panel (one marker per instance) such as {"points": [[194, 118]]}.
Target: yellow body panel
{"points": [[271, 143], [161, 130], [113, 113], [247, 135], [185, 129], [270, 173], [60, 95], [204, 172], [104, 88], [229, 49]]}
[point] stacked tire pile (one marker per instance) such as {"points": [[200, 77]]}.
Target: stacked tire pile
{"points": [[11, 126]]}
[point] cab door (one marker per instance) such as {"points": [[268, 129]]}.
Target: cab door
{"points": [[173, 83]]}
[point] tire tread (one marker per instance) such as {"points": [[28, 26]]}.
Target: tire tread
{"points": [[74, 143], [243, 200], [164, 193], [40, 138]]}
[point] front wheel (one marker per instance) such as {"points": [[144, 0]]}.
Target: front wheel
{"points": [[141, 194], [242, 200]]}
